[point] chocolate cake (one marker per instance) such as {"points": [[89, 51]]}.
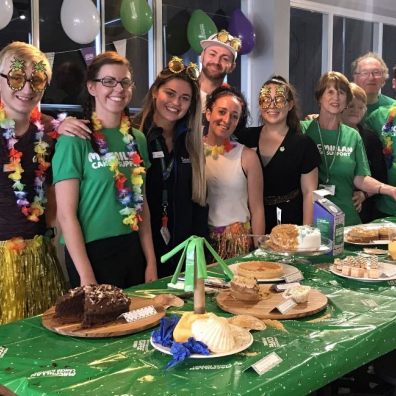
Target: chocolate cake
{"points": [[92, 305]]}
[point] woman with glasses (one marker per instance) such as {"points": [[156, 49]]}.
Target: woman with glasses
{"points": [[176, 187], [30, 275], [99, 184], [344, 167], [289, 159], [234, 177]]}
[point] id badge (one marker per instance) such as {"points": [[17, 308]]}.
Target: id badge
{"points": [[165, 234], [328, 187], [158, 154], [278, 215]]}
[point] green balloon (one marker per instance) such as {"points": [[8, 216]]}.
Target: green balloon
{"points": [[136, 16], [200, 27]]}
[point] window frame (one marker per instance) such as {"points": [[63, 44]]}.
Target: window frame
{"points": [[329, 11]]}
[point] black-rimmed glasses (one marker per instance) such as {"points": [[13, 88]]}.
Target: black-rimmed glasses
{"points": [[111, 82]]}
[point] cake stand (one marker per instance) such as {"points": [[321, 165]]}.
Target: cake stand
{"points": [[294, 256]]}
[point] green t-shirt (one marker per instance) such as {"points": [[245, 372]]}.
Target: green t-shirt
{"points": [[383, 100], [98, 206], [344, 161], [387, 133]]}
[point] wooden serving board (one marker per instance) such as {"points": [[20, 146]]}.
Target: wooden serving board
{"points": [[116, 328], [264, 309]]}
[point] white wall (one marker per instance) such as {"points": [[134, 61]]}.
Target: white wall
{"points": [[271, 20]]}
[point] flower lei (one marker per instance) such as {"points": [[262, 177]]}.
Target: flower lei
{"points": [[32, 210], [131, 200], [387, 135], [215, 151]]}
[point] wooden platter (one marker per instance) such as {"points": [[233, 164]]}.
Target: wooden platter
{"points": [[264, 309], [116, 328]]}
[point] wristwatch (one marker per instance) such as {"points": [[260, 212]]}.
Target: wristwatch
{"points": [[50, 232]]}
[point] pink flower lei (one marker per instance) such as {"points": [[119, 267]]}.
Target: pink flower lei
{"points": [[32, 210], [130, 199]]}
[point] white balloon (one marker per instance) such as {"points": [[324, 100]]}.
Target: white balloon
{"points": [[80, 20], [7, 8]]}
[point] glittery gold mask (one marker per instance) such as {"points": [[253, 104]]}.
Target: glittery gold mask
{"points": [[279, 100]]}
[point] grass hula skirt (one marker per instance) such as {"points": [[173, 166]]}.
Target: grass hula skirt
{"points": [[31, 278], [231, 240]]}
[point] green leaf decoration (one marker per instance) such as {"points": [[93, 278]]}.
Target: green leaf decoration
{"points": [[17, 64], [194, 257], [39, 66]]}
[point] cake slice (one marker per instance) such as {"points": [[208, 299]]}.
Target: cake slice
{"points": [[103, 303], [91, 305], [245, 289], [70, 307]]}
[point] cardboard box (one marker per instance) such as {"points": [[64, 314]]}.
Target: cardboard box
{"points": [[330, 219]]}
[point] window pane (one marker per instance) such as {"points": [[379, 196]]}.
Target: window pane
{"points": [[136, 49], [175, 19], [69, 66], [18, 29], [351, 39], [305, 55], [389, 56]]}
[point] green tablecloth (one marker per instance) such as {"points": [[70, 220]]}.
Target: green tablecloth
{"points": [[359, 325]]}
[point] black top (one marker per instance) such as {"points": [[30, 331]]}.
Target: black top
{"points": [[13, 223], [378, 169], [296, 155], [185, 217]]}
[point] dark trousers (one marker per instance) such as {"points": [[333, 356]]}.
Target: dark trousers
{"points": [[118, 261]]}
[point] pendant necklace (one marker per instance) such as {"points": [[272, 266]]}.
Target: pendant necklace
{"points": [[328, 168]]}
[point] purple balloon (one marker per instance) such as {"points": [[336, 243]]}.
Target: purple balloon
{"points": [[240, 26]]}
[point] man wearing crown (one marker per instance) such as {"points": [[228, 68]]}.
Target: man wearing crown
{"points": [[218, 57]]}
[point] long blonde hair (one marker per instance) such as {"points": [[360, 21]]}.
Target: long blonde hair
{"points": [[193, 119]]}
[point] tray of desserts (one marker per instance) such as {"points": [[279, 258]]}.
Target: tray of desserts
{"points": [[369, 234], [364, 268], [105, 311], [291, 239], [246, 296], [264, 271]]}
